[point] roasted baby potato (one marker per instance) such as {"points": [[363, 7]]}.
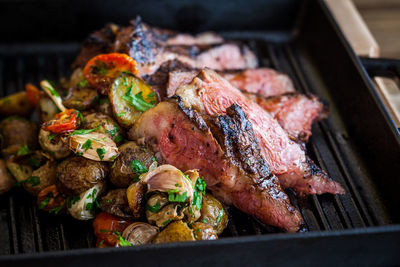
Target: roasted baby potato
{"points": [[78, 174], [140, 233], [115, 202], [16, 132], [6, 179], [130, 97], [41, 178], [55, 145], [175, 232], [160, 212], [204, 231], [213, 213], [15, 104], [132, 161], [136, 195], [103, 124], [19, 171], [80, 98]]}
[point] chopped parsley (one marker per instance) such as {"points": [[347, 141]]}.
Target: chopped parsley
{"points": [[87, 145], [34, 162], [113, 131], [204, 220], [79, 153], [33, 180], [83, 83], [84, 131], [101, 152], [94, 204], [56, 209], [121, 114], [104, 100], [153, 159], [221, 212], [51, 136], [23, 150], [174, 196], [44, 203], [138, 167], [154, 208], [100, 67], [166, 222], [118, 139], [199, 189], [113, 157], [137, 100], [72, 200]]}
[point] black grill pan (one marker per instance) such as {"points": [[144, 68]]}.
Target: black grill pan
{"points": [[358, 145]]}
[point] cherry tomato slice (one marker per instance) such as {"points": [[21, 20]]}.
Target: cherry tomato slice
{"points": [[63, 122], [33, 93], [101, 70], [105, 225], [49, 199]]}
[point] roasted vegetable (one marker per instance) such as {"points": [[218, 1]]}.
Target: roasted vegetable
{"points": [[17, 133], [104, 106], [63, 122], [213, 213], [140, 233], [49, 199], [115, 202], [103, 124], [101, 70], [106, 227], [175, 232], [169, 213], [80, 98], [6, 179], [77, 174], [166, 178], [53, 94], [41, 178], [204, 231], [133, 160], [55, 144], [47, 109], [85, 207], [95, 146], [19, 171], [15, 104], [33, 94], [136, 198], [130, 97]]}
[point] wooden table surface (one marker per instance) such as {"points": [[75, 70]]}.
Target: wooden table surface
{"points": [[383, 19]]}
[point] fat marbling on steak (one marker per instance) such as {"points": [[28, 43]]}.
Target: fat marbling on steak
{"points": [[210, 94], [228, 158]]}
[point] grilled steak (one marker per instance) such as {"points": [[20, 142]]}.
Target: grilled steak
{"points": [[295, 112], [210, 94], [234, 171], [205, 38], [98, 42], [263, 81]]}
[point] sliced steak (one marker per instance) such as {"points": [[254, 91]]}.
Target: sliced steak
{"points": [[234, 171], [295, 112], [262, 81], [210, 94], [205, 38], [98, 42]]}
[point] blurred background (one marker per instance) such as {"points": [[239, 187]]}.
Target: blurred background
{"points": [[383, 20]]}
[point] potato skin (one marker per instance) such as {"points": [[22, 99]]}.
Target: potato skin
{"points": [[80, 98], [204, 231], [175, 232], [78, 174], [121, 174], [107, 125], [15, 104], [115, 202], [47, 177], [210, 211], [16, 132], [57, 146], [136, 196]]}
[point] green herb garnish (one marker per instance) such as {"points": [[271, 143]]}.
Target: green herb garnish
{"points": [[44, 203], [154, 208], [174, 196], [23, 150], [33, 180], [83, 83], [72, 200], [101, 152], [137, 100], [51, 136], [166, 222], [138, 167], [87, 145], [221, 212], [84, 131]]}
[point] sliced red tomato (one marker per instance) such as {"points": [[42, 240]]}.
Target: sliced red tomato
{"points": [[49, 199], [106, 227], [63, 122], [33, 93], [101, 70]]}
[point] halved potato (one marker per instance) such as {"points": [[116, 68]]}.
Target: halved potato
{"points": [[130, 97], [15, 104]]}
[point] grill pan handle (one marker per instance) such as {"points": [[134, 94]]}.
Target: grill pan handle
{"points": [[381, 66]]}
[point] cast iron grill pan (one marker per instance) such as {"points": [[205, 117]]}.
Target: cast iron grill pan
{"points": [[32, 230]]}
